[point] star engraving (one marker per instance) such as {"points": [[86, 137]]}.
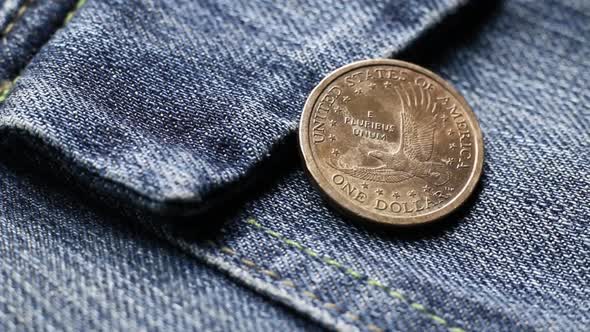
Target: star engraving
{"points": [[450, 132], [452, 146], [444, 117], [371, 85], [395, 195], [449, 189], [337, 109], [365, 185], [358, 91], [346, 99], [411, 193], [449, 161], [379, 191], [331, 137], [386, 84], [426, 188], [333, 123], [335, 152]]}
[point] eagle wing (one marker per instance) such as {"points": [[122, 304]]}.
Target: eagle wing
{"points": [[418, 138], [376, 174]]}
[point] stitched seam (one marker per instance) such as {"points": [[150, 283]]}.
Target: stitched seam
{"points": [[251, 265], [19, 13], [6, 86], [394, 293]]}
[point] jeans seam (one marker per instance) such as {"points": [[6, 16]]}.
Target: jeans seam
{"points": [[20, 12], [7, 85], [333, 307], [394, 293]]}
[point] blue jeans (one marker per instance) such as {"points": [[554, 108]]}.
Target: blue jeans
{"points": [[150, 177]]}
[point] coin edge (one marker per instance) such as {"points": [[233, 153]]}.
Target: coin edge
{"points": [[350, 209]]}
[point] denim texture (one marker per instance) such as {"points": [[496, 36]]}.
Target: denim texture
{"points": [[69, 264], [172, 112]]}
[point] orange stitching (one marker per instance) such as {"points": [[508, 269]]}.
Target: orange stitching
{"points": [[329, 305]]}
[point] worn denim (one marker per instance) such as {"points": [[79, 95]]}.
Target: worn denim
{"points": [[151, 179]]}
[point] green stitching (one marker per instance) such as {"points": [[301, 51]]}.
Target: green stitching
{"points": [[397, 295], [456, 329], [5, 89], [69, 16], [19, 13], [332, 262], [310, 252], [253, 222], [417, 306], [294, 244], [439, 319], [6, 86], [375, 283], [356, 275]]}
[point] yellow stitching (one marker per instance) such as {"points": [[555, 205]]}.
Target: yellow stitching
{"points": [[228, 251], [375, 283], [288, 282], [19, 13], [372, 282], [456, 329], [71, 13], [329, 305], [397, 295], [374, 328], [440, 320], [309, 294], [417, 306], [310, 252], [270, 274], [294, 244], [332, 262], [253, 222], [5, 89], [248, 262], [354, 274]]}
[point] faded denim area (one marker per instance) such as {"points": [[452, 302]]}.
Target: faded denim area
{"points": [[166, 103], [170, 106], [68, 264]]}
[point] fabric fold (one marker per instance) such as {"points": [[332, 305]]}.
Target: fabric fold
{"points": [[175, 106]]}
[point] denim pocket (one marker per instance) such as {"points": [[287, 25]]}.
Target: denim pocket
{"points": [[173, 104]]}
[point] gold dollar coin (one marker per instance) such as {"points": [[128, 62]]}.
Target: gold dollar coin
{"points": [[390, 142]]}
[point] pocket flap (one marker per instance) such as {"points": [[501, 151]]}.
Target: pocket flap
{"points": [[176, 101]]}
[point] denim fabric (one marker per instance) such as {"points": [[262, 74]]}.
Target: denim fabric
{"points": [[168, 103], [68, 264], [156, 105]]}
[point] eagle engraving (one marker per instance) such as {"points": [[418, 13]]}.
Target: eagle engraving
{"points": [[412, 157]]}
